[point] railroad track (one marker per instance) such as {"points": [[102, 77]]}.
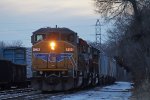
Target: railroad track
{"points": [[30, 94], [41, 96], [15, 90], [16, 93], [27, 94]]}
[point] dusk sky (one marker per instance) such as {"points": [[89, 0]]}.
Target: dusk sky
{"points": [[19, 18]]}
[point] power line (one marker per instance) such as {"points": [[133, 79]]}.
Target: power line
{"points": [[45, 26], [17, 30]]}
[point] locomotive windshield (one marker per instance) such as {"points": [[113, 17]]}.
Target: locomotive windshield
{"points": [[68, 37], [58, 34], [39, 37], [61, 36], [53, 36]]}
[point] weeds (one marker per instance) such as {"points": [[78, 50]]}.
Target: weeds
{"points": [[142, 92]]}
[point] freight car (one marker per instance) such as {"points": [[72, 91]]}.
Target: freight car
{"points": [[16, 55], [13, 67], [12, 74], [107, 69], [62, 61]]}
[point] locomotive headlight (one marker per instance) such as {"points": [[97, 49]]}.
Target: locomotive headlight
{"points": [[52, 45]]}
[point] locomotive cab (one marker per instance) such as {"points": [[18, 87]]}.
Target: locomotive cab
{"points": [[57, 34]]}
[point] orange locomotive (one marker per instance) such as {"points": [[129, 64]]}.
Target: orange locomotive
{"points": [[62, 61]]}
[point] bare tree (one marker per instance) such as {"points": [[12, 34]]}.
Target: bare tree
{"points": [[113, 8], [2, 44], [17, 43], [130, 36]]}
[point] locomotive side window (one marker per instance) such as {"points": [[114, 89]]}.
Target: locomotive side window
{"points": [[69, 38], [39, 37]]}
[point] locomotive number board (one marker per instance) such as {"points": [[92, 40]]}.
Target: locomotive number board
{"points": [[69, 49]]}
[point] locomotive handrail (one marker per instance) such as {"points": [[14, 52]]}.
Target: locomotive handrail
{"points": [[73, 62], [74, 65]]}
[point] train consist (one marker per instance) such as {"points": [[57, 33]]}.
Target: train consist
{"points": [[13, 67], [62, 61]]}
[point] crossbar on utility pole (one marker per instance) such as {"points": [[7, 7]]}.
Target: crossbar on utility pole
{"points": [[114, 1]]}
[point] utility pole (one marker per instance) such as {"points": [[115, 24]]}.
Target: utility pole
{"points": [[98, 33]]}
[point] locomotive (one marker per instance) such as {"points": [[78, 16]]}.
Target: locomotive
{"points": [[63, 61]]}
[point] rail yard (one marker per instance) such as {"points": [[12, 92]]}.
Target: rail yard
{"points": [[58, 64]]}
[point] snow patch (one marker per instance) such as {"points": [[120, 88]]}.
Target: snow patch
{"points": [[117, 91]]}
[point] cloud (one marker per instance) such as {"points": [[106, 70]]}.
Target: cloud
{"points": [[39, 6], [45, 10], [33, 14]]}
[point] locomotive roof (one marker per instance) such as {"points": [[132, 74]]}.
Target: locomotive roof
{"points": [[83, 42], [48, 30]]}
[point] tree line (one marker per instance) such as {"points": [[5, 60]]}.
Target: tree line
{"points": [[129, 39]]}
